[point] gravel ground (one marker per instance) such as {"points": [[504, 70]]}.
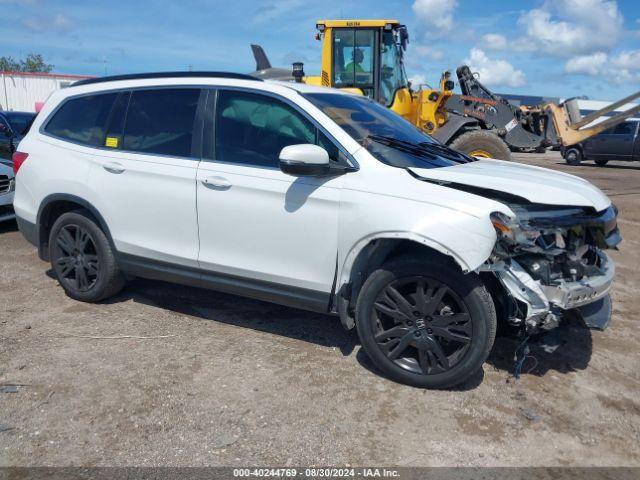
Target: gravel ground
{"points": [[222, 380]]}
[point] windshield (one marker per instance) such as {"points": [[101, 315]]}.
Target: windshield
{"points": [[392, 76], [19, 122], [387, 136]]}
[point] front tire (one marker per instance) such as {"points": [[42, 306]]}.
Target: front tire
{"points": [[82, 258], [483, 144], [425, 323], [601, 163], [573, 156]]}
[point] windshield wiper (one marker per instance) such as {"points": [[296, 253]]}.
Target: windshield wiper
{"points": [[405, 147], [448, 152], [433, 151]]}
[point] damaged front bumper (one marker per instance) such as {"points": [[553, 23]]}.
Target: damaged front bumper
{"points": [[542, 306]]}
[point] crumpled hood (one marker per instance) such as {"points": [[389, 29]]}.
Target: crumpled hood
{"points": [[536, 184]]}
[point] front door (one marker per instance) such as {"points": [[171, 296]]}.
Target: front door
{"points": [[255, 221], [622, 140]]}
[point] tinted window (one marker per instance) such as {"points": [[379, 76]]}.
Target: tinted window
{"points": [[624, 128], [252, 129], [161, 121], [20, 122], [82, 119]]}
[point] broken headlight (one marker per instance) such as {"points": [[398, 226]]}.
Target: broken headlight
{"points": [[511, 230]]}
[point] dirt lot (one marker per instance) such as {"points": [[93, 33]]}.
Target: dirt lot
{"points": [[238, 382]]}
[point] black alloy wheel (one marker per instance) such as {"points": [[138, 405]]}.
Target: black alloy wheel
{"points": [[424, 322], [76, 258], [422, 325]]}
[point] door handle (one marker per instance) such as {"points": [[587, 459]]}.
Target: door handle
{"points": [[216, 182], [113, 167]]}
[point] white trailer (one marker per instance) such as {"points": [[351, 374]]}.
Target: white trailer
{"points": [[26, 91]]}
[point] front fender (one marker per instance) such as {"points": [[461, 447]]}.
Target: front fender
{"points": [[469, 257]]}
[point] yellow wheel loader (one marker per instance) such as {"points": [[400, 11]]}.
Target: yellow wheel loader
{"points": [[367, 57]]}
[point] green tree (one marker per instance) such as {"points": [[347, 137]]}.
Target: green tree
{"points": [[8, 64], [31, 63], [35, 63]]}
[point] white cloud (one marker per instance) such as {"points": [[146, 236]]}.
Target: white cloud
{"points": [[274, 10], [417, 80], [494, 72], [628, 60], [58, 22], [424, 51], [587, 64], [493, 41], [572, 27], [625, 66], [435, 17]]}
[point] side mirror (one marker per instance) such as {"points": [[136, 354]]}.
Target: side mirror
{"points": [[305, 159]]}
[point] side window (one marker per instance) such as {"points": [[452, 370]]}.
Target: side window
{"points": [[161, 121], [624, 128], [82, 119], [251, 129]]}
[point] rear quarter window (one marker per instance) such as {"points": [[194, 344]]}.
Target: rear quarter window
{"points": [[82, 119]]}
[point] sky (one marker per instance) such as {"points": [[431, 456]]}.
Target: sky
{"points": [[559, 48]]}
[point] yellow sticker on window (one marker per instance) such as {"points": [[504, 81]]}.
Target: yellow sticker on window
{"points": [[111, 142]]}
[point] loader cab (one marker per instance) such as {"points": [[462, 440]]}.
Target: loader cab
{"points": [[366, 56]]}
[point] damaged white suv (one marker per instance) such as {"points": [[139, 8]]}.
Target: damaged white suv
{"points": [[312, 198]]}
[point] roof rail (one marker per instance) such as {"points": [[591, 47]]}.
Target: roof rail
{"points": [[141, 76]]}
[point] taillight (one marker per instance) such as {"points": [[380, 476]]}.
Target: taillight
{"points": [[18, 159]]}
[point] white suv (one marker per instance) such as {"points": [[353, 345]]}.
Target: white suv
{"points": [[313, 198]]}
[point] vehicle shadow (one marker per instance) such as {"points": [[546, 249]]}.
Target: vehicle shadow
{"points": [[609, 166], [571, 342], [324, 330], [565, 349], [8, 226]]}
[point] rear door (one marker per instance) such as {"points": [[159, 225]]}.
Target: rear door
{"points": [[144, 174], [255, 221]]}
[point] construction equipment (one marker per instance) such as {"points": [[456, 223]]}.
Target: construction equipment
{"points": [[535, 127], [367, 57]]}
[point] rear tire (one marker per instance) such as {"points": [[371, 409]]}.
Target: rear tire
{"points": [[482, 143], [573, 156], [601, 163], [82, 258], [424, 323]]}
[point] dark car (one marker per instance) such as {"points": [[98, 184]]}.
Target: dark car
{"points": [[621, 142], [13, 126]]}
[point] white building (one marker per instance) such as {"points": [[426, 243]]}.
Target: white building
{"points": [[589, 106], [26, 92]]}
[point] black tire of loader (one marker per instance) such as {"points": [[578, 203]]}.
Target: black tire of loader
{"points": [[474, 140]]}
